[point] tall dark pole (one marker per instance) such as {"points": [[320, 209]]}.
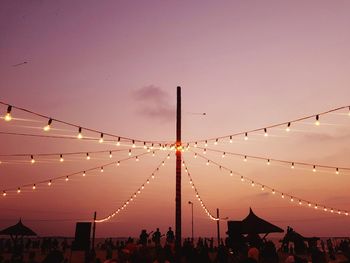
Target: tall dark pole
{"points": [[191, 203], [93, 233], [178, 173], [218, 225]]}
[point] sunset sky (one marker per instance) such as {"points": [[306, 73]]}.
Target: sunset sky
{"points": [[114, 66]]}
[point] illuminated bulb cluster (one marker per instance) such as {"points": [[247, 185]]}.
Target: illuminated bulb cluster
{"points": [[49, 182], [131, 198], [199, 198], [274, 191], [269, 161]]}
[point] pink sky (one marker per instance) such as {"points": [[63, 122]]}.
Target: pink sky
{"points": [[114, 66]]}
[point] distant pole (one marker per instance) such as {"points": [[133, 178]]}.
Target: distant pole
{"points": [[93, 233], [178, 173], [191, 203], [218, 225]]}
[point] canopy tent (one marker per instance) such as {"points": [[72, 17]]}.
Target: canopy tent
{"points": [[17, 230], [253, 224]]}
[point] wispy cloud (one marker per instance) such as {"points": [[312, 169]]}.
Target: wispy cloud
{"points": [[153, 102]]}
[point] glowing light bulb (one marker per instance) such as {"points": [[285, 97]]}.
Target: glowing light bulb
{"points": [[144, 145], [118, 142], [223, 155], [282, 195], [273, 191], [129, 152], [34, 187], [216, 142], [102, 169], [80, 135], [309, 204], [245, 158], [314, 169], [48, 126], [300, 202], [67, 179], [49, 183], [118, 163], [246, 136], [265, 132], [242, 178], [337, 171], [168, 157], [268, 162], [4, 193], [292, 166], [110, 154], [316, 207], [133, 144], [18, 190], [152, 176], [325, 209], [195, 145], [8, 116], [137, 159], [32, 159], [317, 122], [208, 162], [87, 156], [84, 173], [147, 181], [101, 138], [153, 154], [288, 127], [205, 151], [206, 144], [292, 199], [163, 163], [262, 188], [61, 158], [231, 173]]}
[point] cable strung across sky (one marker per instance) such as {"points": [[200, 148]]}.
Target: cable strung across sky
{"points": [[8, 117], [293, 164], [135, 194], [83, 173], [274, 191], [286, 124]]}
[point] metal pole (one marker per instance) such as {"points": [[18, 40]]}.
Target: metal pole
{"points": [[191, 203], [93, 233], [178, 173], [218, 225]]}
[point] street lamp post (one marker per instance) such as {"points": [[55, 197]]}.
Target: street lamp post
{"points": [[191, 203]]}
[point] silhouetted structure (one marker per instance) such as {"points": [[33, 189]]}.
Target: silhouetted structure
{"points": [[298, 241], [251, 226]]}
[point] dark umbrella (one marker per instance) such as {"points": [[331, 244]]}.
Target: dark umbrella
{"points": [[253, 224], [17, 230]]}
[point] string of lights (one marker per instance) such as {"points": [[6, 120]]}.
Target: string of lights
{"points": [[276, 192], [287, 125], [32, 157], [135, 194], [83, 173], [197, 194], [50, 121], [292, 164]]}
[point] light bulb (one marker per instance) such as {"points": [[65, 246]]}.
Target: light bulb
{"points": [[262, 188], [110, 154], [101, 169], [242, 178], [101, 138], [32, 159], [80, 135], [204, 151], [87, 156], [129, 152], [84, 173], [292, 199], [245, 158], [292, 166], [265, 132], [8, 116], [18, 190], [34, 187], [231, 173], [206, 143], [133, 144], [282, 195], [253, 184], [208, 162], [273, 191], [246, 136], [268, 162], [314, 169], [137, 159], [48, 126], [67, 179], [61, 158], [288, 127], [317, 122], [300, 202], [49, 183], [118, 142], [223, 155], [337, 171], [118, 163], [4, 193], [216, 142]]}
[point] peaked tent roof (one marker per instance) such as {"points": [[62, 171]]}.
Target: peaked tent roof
{"points": [[254, 224], [18, 230]]}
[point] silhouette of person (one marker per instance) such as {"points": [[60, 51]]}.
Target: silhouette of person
{"points": [[143, 237], [156, 237], [170, 236]]}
